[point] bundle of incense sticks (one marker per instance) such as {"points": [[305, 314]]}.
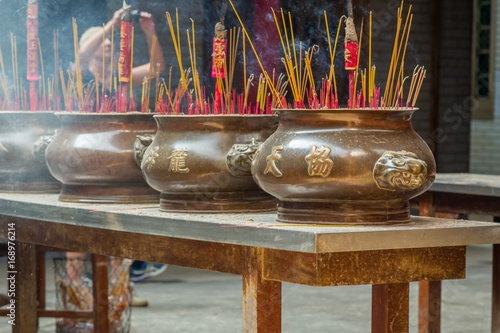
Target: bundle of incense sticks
{"points": [[225, 99], [15, 97], [298, 76], [297, 64], [190, 97], [96, 96]]}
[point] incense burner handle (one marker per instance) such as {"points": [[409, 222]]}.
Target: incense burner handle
{"points": [[142, 142], [240, 157], [40, 146], [400, 171]]}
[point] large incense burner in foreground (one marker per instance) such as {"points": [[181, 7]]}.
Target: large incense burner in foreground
{"points": [[203, 163], [23, 139], [93, 156], [344, 166]]}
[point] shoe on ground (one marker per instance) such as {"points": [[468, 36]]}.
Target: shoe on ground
{"points": [[143, 270], [137, 301]]}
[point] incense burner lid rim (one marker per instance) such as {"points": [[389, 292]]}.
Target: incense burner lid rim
{"points": [[86, 114], [346, 110], [26, 112]]}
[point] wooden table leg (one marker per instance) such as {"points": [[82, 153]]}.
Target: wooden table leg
{"points": [[425, 207], [26, 319], [429, 306], [40, 275], [495, 290], [261, 298], [390, 308], [100, 292], [429, 292]]}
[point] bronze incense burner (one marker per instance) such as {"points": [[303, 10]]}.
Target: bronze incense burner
{"points": [[203, 163], [23, 139], [93, 156], [344, 166]]}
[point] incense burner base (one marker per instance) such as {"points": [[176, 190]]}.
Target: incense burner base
{"points": [[111, 193], [232, 202], [345, 212]]}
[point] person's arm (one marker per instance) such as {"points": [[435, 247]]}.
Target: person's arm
{"points": [[139, 72], [91, 44]]}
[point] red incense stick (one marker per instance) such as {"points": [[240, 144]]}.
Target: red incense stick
{"points": [[32, 47], [124, 66], [351, 53]]}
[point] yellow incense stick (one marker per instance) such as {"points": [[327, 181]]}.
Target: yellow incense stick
{"points": [[255, 52], [111, 60], [177, 49], [331, 58], [96, 87], [41, 63], [244, 67], [391, 93], [293, 41], [288, 61], [332, 72], [103, 60], [17, 70], [4, 78], [394, 50], [359, 56], [63, 84], [144, 82], [13, 63], [406, 44], [370, 88]]}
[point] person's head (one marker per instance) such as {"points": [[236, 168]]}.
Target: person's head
{"points": [[97, 55]]}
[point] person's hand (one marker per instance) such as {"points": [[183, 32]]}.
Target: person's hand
{"points": [[116, 19], [146, 23]]}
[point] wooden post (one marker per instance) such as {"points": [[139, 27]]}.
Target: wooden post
{"points": [[40, 276], [261, 298], [429, 307], [100, 292], [26, 319], [390, 308], [429, 292], [495, 290]]}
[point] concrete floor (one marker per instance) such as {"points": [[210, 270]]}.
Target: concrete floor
{"points": [[187, 300]]}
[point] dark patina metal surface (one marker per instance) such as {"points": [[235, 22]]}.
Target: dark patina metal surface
{"points": [[21, 170], [344, 166], [93, 156], [193, 163]]}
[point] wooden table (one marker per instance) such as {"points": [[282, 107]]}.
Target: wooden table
{"points": [[459, 193], [264, 252]]}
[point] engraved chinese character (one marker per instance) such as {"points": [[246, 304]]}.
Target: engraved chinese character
{"points": [[271, 162], [150, 158], [319, 162], [178, 161], [347, 55]]}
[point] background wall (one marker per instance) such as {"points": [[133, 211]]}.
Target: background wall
{"points": [[485, 134]]}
